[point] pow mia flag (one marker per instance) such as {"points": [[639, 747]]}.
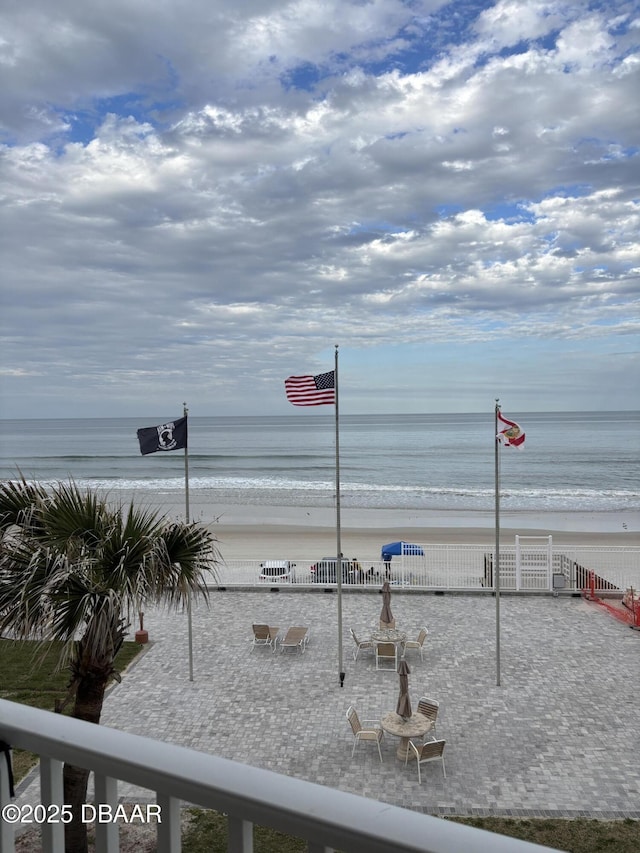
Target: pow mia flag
{"points": [[171, 436]]}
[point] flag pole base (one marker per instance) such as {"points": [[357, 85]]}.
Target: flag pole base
{"points": [[342, 674]]}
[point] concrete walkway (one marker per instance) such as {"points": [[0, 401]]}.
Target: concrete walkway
{"points": [[559, 737]]}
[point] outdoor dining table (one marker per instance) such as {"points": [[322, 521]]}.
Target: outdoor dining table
{"points": [[388, 635], [416, 726]]}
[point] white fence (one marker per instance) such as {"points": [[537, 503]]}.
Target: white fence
{"points": [[524, 567]]}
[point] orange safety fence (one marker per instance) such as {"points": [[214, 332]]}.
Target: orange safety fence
{"points": [[627, 610]]}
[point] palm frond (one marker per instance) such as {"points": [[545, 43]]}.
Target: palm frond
{"points": [[141, 518], [19, 500], [183, 555], [75, 518], [27, 576], [73, 602]]}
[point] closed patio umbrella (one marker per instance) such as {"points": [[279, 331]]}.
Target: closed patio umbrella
{"points": [[403, 708], [386, 616]]}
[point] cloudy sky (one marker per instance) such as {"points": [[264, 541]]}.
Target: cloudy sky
{"points": [[202, 198]]}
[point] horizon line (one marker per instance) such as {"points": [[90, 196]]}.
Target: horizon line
{"points": [[327, 414]]}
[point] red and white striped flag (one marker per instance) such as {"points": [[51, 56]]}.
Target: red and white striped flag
{"points": [[311, 390], [509, 433]]}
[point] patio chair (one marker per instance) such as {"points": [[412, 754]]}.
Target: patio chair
{"points": [[372, 731], [431, 750], [295, 638], [418, 643], [264, 635], [429, 708], [361, 645], [387, 652]]}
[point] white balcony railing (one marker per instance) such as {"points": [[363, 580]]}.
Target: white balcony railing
{"points": [[326, 818]]}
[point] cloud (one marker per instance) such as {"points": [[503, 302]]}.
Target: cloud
{"points": [[208, 198]]}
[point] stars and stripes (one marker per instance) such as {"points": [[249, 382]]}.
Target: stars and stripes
{"points": [[311, 390]]}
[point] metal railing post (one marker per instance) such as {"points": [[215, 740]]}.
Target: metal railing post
{"points": [[169, 835], [107, 836], [7, 830], [240, 835], [52, 793]]}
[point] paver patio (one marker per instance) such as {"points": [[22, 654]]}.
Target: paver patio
{"points": [[559, 737]]}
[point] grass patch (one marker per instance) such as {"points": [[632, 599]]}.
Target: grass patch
{"points": [[28, 675], [206, 832], [580, 835]]}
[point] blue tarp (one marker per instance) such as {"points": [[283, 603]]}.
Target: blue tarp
{"points": [[396, 549]]}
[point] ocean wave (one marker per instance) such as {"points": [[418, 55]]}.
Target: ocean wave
{"points": [[265, 490]]}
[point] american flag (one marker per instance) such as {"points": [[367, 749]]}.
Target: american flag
{"points": [[311, 390]]}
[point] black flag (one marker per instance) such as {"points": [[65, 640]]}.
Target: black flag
{"points": [[171, 436]]}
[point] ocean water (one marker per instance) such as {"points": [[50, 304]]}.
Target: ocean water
{"points": [[576, 461]]}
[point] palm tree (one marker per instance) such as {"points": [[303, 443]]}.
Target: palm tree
{"points": [[76, 569]]}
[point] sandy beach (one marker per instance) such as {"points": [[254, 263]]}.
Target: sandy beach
{"points": [[291, 542], [298, 532]]}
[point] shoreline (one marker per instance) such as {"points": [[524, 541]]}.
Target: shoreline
{"points": [[206, 509]]}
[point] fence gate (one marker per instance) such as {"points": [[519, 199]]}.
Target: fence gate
{"points": [[534, 562]]}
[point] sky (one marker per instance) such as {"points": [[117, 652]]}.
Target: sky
{"points": [[199, 199]]}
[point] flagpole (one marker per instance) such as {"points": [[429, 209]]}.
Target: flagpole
{"points": [[185, 413], [338, 543], [496, 567]]}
